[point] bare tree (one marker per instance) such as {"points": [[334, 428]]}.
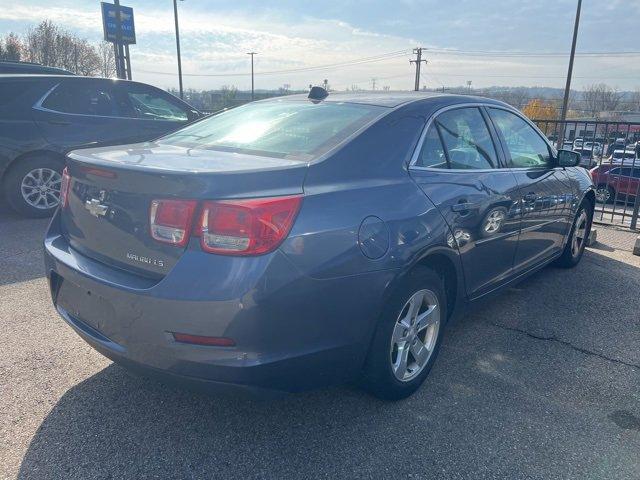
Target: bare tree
{"points": [[107, 59], [600, 97], [50, 45]]}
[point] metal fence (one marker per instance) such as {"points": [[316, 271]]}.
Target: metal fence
{"points": [[611, 151]]}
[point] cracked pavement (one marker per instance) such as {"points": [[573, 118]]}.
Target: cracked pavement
{"points": [[542, 381]]}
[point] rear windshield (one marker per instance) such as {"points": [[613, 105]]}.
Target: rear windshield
{"points": [[282, 129]]}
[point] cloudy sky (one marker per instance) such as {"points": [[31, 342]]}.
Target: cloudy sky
{"points": [[489, 42]]}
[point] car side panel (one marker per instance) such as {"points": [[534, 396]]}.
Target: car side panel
{"points": [[366, 181]]}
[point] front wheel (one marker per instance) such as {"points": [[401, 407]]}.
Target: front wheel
{"points": [[578, 237], [408, 336]]}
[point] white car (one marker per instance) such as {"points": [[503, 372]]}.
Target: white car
{"points": [[596, 147]]}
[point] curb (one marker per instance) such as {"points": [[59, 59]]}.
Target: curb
{"points": [[593, 238], [636, 248]]}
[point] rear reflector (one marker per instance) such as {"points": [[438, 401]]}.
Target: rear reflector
{"points": [[201, 340], [246, 227], [64, 188], [170, 220]]}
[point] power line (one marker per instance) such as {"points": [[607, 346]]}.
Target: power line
{"points": [[359, 61], [496, 53]]}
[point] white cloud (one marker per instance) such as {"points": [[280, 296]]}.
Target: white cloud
{"points": [[216, 43]]}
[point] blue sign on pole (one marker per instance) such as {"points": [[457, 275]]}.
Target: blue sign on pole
{"points": [[110, 23]]}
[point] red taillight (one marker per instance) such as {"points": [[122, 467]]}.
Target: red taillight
{"points": [[246, 227], [170, 220], [202, 340], [64, 187]]}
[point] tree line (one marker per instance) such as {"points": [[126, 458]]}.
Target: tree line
{"points": [[50, 45]]}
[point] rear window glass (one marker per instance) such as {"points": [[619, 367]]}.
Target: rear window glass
{"points": [[283, 129]]}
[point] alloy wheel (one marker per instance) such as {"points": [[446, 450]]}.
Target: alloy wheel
{"points": [[603, 195], [579, 233], [40, 188], [415, 335]]}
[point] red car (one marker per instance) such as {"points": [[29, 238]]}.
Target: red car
{"points": [[613, 182]]}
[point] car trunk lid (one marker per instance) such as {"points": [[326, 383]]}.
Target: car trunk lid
{"points": [[107, 216]]}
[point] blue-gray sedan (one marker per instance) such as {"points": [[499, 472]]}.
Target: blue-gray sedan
{"points": [[299, 242]]}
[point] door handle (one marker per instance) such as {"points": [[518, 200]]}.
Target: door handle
{"points": [[530, 197], [463, 206]]}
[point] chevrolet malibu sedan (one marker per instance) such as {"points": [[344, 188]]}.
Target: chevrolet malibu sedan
{"points": [[298, 242]]}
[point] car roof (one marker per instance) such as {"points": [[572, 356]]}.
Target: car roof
{"points": [[392, 99], [14, 67]]}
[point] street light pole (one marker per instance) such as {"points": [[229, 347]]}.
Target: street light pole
{"points": [[252, 54], [175, 16], [567, 88]]}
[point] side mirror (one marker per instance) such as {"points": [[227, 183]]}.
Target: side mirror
{"points": [[567, 158], [193, 115]]}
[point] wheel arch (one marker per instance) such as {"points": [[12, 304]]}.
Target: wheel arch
{"points": [[50, 154], [446, 267]]}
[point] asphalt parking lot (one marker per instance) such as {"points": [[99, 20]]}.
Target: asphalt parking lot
{"points": [[542, 382]]}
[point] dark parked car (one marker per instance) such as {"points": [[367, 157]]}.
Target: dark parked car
{"points": [[616, 182], [30, 68], [294, 242], [42, 117]]}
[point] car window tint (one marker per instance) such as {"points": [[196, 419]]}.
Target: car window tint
{"points": [[525, 147], [432, 152], [152, 106], [467, 139], [87, 99], [284, 129], [10, 91]]}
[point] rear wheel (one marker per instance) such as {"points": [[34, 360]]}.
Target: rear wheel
{"points": [[408, 337], [32, 186], [578, 236]]}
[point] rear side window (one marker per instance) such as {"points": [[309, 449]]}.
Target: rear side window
{"points": [[10, 91], [85, 99], [283, 129], [432, 153], [525, 147], [152, 105], [458, 139]]}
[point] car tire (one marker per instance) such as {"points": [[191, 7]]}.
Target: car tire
{"points": [[605, 194], [423, 289], [32, 186], [573, 251]]}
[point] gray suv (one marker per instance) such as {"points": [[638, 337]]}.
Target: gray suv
{"points": [[42, 117]]}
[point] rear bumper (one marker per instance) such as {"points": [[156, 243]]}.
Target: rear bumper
{"points": [[292, 332]]}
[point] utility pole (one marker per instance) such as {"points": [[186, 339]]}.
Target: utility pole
{"points": [[567, 88], [418, 61], [175, 17], [252, 54], [469, 86], [119, 51], [373, 83]]}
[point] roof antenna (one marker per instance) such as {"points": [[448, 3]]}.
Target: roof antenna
{"points": [[317, 94]]}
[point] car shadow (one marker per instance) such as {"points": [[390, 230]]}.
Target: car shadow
{"points": [[116, 422], [20, 247]]}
